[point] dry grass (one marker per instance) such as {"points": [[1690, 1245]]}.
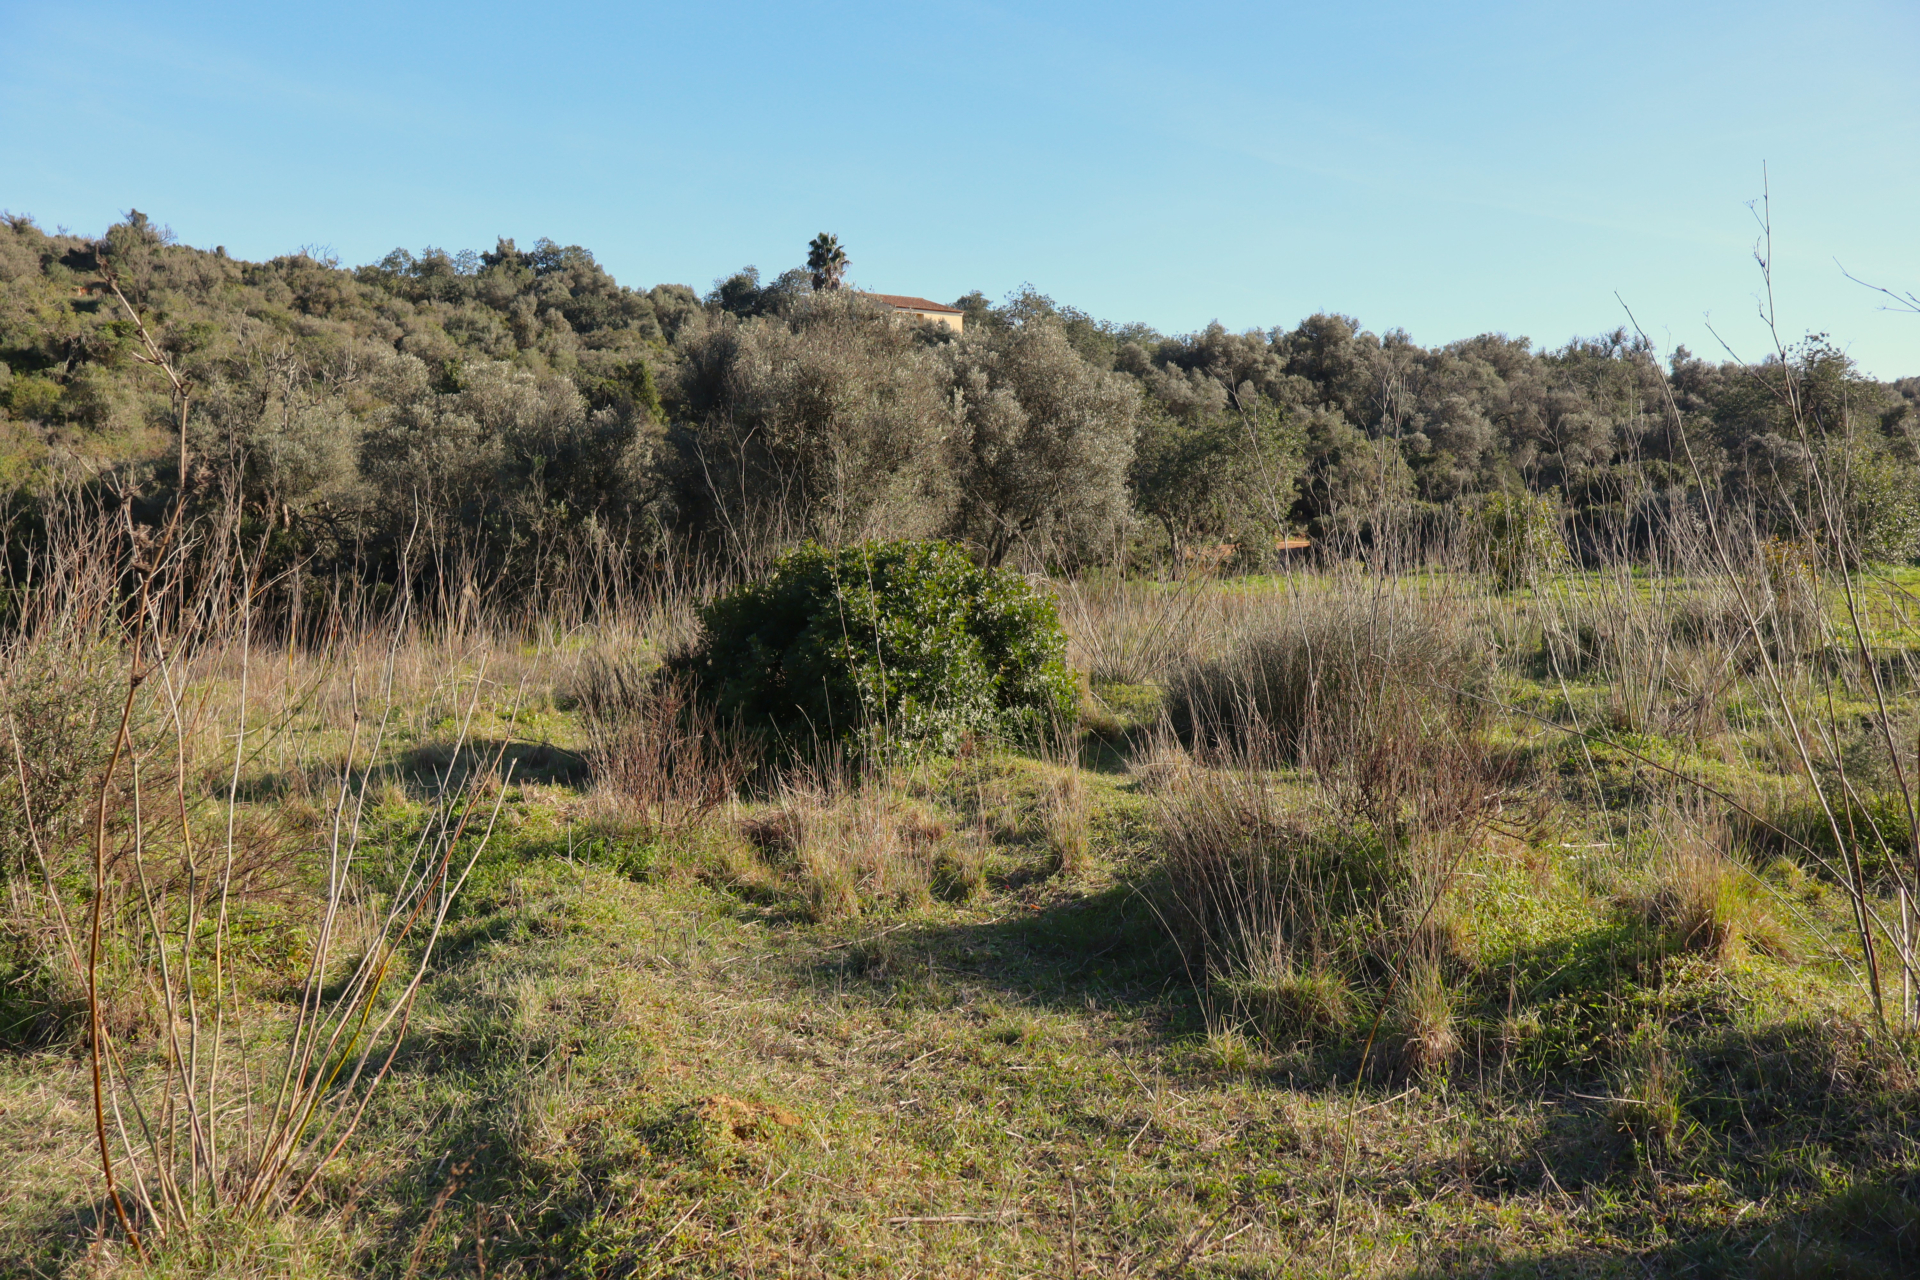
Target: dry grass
{"points": [[1326, 663], [923, 1017], [1066, 817], [853, 846], [662, 757], [1420, 1022], [1695, 898], [1138, 633], [1289, 1002]]}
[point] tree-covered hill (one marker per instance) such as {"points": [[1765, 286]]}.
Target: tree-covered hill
{"points": [[521, 403]]}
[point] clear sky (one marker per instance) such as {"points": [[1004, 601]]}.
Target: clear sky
{"points": [[1449, 169]]}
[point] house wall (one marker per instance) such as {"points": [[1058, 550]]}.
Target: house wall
{"points": [[957, 323]]}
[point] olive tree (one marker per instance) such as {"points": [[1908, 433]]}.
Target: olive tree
{"points": [[828, 422], [1044, 444], [514, 459]]}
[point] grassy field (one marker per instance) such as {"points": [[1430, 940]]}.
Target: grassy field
{"points": [[1541, 993]]}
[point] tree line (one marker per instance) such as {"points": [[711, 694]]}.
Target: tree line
{"points": [[523, 405]]}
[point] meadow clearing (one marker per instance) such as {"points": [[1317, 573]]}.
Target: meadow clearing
{"points": [[1366, 922]]}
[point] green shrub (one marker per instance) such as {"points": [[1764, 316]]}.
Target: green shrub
{"points": [[1520, 536], [906, 641], [32, 398]]}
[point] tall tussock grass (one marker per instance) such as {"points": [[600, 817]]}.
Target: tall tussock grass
{"points": [[1137, 633], [1306, 921], [663, 756], [1695, 895], [852, 841], [1341, 774], [1263, 900], [175, 852], [1382, 658], [1379, 688]]}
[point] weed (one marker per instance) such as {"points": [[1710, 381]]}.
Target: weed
{"points": [[1422, 1034], [1065, 817], [1647, 1108], [1288, 1002], [1696, 899]]}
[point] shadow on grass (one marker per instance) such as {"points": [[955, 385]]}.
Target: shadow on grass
{"points": [[1107, 948], [428, 771], [440, 767], [1820, 1106], [1870, 1230]]}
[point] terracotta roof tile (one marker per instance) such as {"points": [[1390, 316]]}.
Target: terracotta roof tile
{"points": [[905, 303]]}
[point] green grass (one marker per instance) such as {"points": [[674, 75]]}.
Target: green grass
{"points": [[639, 1056], [653, 1076]]}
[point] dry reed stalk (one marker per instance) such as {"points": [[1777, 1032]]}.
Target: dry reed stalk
{"points": [[1136, 633], [1763, 579], [204, 1132], [663, 753]]}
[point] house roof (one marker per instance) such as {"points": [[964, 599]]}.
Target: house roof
{"points": [[905, 303]]}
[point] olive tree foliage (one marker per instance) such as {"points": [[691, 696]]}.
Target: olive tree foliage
{"points": [[508, 458], [284, 428], [828, 422], [1045, 442], [1822, 455], [526, 404], [742, 294], [1221, 439], [1224, 476]]}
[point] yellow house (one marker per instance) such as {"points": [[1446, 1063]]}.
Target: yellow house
{"points": [[924, 309]]}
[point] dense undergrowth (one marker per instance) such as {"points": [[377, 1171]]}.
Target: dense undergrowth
{"points": [[1366, 925]]}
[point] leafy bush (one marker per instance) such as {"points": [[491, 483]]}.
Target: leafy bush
{"points": [[1520, 536], [907, 641]]}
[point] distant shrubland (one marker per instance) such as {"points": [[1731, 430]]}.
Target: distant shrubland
{"points": [[521, 409]]}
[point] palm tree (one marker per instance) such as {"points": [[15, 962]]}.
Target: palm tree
{"points": [[826, 260]]}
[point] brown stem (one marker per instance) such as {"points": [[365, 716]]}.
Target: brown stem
{"points": [[134, 678]]}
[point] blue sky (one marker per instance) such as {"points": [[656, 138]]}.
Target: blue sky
{"points": [[1447, 169]]}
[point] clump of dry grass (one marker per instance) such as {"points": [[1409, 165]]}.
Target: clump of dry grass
{"points": [[1289, 998], [1137, 633], [1275, 903], [1694, 898], [1420, 1020], [1246, 873], [1066, 816], [1299, 897], [1435, 929], [662, 755], [960, 867], [1690, 902], [1160, 763], [1335, 664], [1669, 650], [851, 847]]}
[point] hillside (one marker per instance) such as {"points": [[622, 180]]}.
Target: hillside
{"points": [[527, 407], [581, 782]]}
